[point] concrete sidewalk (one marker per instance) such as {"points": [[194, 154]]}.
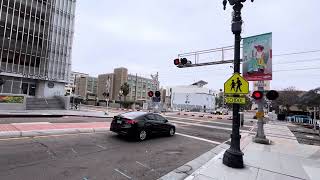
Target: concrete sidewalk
{"points": [[15, 130], [285, 159], [56, 113]]}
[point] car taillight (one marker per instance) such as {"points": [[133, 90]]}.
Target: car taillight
{"points": [[130, 121]]}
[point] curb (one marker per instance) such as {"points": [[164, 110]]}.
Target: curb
{"points": [[48, 115], [187, 169], [30, 115], [17, 134]]}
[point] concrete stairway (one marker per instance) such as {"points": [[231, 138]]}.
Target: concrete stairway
{"points": [[43, 104]]}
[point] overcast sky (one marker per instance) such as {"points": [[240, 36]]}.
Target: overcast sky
{"points": [[146, 35]]}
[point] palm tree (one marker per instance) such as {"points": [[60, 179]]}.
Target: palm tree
{"points": [[125, 90]]}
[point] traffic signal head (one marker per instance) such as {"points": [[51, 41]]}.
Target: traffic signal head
{"points": [[176, 62], [150, 93], [257, 95], [181, 62], [184, 61], [272, 95], [157, 94]]}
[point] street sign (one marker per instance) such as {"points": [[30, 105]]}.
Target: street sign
{"points": [[235, 100], [236, 84]]}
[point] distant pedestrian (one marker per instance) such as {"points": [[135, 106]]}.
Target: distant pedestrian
{"points": [[239, 84], [233, 85]]}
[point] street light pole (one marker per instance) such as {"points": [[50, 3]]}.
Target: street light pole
{"points": [[233, 157]]}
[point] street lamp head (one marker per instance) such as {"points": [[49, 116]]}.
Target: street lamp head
{"points": [[224, 4]]}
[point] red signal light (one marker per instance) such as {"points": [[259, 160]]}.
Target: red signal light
{"points": [[257, 95], [176, 62], [150, 93]]}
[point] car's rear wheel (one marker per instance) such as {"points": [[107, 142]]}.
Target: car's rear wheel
{"points": [[142, 135], [172, 131]]}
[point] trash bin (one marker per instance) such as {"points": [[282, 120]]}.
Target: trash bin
{"points": [[241, 114]]}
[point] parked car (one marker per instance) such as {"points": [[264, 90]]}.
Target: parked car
{"points": [[220, 112], [141, 125]]}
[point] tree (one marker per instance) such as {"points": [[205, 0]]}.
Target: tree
{"points": [[248, 104], [219, 101], [287, 97], [310, 98], [125, 90]]}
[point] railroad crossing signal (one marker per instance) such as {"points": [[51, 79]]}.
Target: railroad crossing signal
{"points": [[257, 95], [272, 95], [236, 85]]}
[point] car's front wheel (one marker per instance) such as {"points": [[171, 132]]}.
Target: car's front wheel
{"points": [[172, 131], [142, 135]]}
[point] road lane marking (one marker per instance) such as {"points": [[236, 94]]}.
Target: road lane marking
{"points": [[123, 174], [213, 127], [143, 165], [73, 150], [101, 146], [205, 121], [198, 138]]}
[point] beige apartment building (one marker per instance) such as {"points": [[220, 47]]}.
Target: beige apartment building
{"points": [[102, 85], [139, 86], [86, 86]]}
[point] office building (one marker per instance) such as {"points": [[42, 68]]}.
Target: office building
{"points": [[71, 82], [35, 45], [86, 86], [102, 85], [138, 86]]}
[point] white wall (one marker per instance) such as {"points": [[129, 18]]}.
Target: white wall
{"points": [[44, 91], [197, 96]]}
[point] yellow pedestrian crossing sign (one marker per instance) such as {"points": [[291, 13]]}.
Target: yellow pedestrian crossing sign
{"points": [[236, 84]]}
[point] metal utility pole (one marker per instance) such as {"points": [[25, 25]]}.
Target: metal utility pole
{"points": [[260, 136], [233, 157], [108, 84], [135, 91], [74, 89], [314, 118]]}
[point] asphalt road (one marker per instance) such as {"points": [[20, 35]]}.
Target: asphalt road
{"points": [[108, 156]]}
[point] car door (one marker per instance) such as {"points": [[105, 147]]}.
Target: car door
{"points": [[151, 123], [162, 123]]}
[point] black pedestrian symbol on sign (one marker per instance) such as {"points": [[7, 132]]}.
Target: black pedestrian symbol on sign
{"points": [[233, 85], [236, 86], [239, 84]]}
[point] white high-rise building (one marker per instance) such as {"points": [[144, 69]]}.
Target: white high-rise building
{"points": [[35, 46]]}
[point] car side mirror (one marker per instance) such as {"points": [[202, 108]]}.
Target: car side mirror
{"points": [[166, 121]]}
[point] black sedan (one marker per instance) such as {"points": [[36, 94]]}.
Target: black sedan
{"points": [[141, 124]]}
